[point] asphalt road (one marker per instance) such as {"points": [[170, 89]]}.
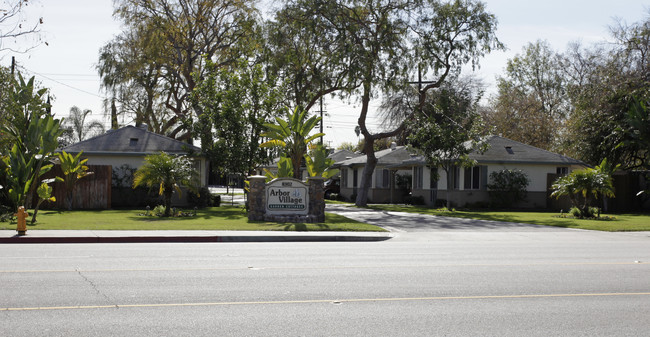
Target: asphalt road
{"points": [[447, 283]]}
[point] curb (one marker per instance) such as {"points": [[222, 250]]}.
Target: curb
{"points": [[190, 239]]}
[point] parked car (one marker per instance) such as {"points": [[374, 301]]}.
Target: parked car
{"points": [[332, 185]]}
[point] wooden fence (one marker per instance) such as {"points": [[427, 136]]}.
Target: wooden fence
{"points": [[90, 192]]}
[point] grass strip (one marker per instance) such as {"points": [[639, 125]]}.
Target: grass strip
{"points": [[212, 218], [619, 223]]}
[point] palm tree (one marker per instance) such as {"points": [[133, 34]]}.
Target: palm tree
{"points": [[293, 136], [74, 168], [581, 186], [76, 128], [167, 173]]}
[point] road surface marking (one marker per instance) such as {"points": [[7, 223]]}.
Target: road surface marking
{"points": [[335, 267], [333, 301]]}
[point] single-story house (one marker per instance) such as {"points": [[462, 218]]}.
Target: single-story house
{"points": [[126, 148], [470, 183], [384, 188]]}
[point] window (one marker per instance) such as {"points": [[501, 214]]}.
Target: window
{"points": [[417, 177], [433, 179], [455, 173], [385, 177], [382, 178], [472, 178], [344, 177], [562, 170], [355, 178]]}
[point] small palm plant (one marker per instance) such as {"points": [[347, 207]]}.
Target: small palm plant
{"points": [[74, 168], [292, 135], [582, 186], [167, 173]]}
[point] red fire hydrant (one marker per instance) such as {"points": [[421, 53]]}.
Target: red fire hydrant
{"points": [[21, 228]]}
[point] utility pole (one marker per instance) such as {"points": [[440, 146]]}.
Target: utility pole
{"points": [[13, 65], [420, 82], [321, 119]]}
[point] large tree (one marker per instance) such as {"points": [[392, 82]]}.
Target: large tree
{"points": [[171, 38], [131, 70], [308, 53], [448, 128], [15, 26], [390, 42], [531, 105], [605, 84], [236, 102]]}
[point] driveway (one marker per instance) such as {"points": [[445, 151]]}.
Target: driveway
{"points": [[411, 222]]}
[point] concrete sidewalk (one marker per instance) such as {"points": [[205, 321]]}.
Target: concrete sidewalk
{"points": [[106, 236]]}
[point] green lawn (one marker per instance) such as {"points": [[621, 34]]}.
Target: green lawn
{"points": [[621, 222], [214, 218]]}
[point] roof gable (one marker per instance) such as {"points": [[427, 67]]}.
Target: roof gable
{"points": [[130, 139]]}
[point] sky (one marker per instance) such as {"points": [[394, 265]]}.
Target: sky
{"points": [[75, 30]]}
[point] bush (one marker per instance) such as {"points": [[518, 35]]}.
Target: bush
{"points": [[414, 200], [353, 197], [6, 214], [507, 187], [440, 203], [592, 212], [203, 199]]}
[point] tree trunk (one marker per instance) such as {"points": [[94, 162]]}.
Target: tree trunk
{"points": [[296, 162], [114, 124], [366, 176], [168, 202]]}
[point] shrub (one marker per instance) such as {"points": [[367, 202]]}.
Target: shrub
{"points": [[6, 213], [440, 203], [582, 186], [416, 200], [591, 212], [158, 210], [202, 199], [507, 187]]}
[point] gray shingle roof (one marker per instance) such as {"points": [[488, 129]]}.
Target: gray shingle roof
{"points": [[504, 150], [340, 155], [507, 150], [384, 157], [130, 140]]}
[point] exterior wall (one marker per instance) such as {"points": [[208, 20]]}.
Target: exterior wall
{"points": [[537, 196], [137, 161], [376, 195]]}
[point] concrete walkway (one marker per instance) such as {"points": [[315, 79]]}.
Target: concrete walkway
{"points": [[412, 222], [107, 236]]}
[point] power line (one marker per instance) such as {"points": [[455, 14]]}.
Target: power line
{"points": [[61, 83]]}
